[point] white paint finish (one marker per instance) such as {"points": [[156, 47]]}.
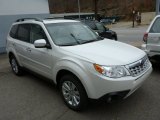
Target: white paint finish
{"points": [[57, 21], [152, 47], [16, 7], [107, 52], [79, 60]]}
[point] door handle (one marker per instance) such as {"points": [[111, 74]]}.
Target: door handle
{"points": [[28, 49]]}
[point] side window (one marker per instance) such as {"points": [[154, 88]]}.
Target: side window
{"points": [[13, 31], [37, 33], [23, 32], [100, 27], [156, 26]]}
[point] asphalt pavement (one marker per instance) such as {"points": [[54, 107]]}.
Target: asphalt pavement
{"points": [[129, 35], [31, 97]]}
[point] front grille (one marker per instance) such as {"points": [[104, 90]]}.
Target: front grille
{"points": [[139, 67]]}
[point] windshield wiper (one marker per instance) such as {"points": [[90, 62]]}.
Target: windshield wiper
{"points": [[75, 38], [69, 44], [86, 41], [89, 41]]}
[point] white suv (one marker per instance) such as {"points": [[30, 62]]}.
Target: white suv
{"points": [[152, 38], [80, 62]]}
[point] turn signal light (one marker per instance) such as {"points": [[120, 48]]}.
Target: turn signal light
{"points": [[99, 68]]}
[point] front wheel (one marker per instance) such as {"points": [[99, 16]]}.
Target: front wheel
{"points": [[73, 92]]}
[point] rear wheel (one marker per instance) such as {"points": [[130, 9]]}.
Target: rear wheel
{"points": [[15, 66], [73, 92]]}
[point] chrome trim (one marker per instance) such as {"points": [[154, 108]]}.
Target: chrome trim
{"points": [[139, 67]]}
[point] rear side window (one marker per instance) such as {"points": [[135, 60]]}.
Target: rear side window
{"points": [[13, 31], [23, 33], [156, 26]]}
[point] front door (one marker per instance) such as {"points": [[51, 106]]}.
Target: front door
{"points": [[40, 58]]}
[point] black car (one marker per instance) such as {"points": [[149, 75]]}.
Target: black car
{"points": [[106, 21], [101, 29]]}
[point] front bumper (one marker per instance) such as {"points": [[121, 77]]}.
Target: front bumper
{"points": [[102, 85]]}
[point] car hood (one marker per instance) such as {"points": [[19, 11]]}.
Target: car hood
{"points": [[107, 52]]}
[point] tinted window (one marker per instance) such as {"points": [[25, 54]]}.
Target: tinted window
{"points": [[37, 33], [13, 31], [100, 27], [23, 32], [91, 25], [156, 26]]}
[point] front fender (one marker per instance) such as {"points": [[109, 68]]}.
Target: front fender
{"points": [[77, 68]]}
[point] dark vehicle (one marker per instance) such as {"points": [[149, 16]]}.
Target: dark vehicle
{"points": [[101, 29], [106, 21], [115, 18]]}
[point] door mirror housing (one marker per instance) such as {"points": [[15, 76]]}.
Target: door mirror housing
{"points": [[41, 43]]}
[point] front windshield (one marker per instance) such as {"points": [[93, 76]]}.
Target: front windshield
{"points": [[71, 33]]}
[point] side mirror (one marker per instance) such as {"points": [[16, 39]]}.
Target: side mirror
{"points": [[41, 43]]}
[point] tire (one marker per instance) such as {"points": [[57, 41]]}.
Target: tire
{"points": [[73, 93], [114, 38], [17, 70]]}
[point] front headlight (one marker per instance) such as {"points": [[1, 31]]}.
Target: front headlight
{"points": [[111, 71]]}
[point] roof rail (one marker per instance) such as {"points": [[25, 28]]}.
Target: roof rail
{"points": [[54, 18], [23, 19]]}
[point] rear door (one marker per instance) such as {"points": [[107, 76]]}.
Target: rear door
{"points": [[153, 41], [22, 43]]}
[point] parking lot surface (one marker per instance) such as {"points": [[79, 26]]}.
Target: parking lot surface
{"points": [[132, 36], [30, 97]]}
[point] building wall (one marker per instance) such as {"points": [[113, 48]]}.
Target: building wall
{"points": [[147, 17], [15, 7], [11, 10]]}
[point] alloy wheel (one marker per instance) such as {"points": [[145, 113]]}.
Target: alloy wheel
{"points": [[14, 65], [70, 93]]}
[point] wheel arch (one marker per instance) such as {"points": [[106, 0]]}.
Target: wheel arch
{"points": [[10, 54], [75, 71], [63, 72]]}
